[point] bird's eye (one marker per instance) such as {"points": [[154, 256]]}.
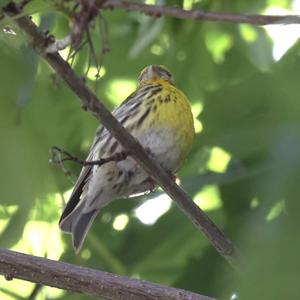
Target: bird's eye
{"points": [[168, 74]]}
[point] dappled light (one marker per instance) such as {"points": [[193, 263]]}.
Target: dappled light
{"points": [[118, 88], [6, 213], [39, 238], [93, 71], [275, 211], [248, 33], [254, 203], [157, 50], [86, 254], [196, 110], [219, 160], [208, 198], [150, 211], [284, 37], [120, 222], [218, 43]]}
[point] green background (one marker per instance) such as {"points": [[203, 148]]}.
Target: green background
{"points": [[243, 170]]}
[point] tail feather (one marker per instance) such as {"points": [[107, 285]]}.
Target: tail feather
{"points": [[66, 222], [78, 223], [81, 226]]}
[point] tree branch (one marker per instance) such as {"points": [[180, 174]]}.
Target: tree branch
{"points": [[90, 102], [84, 280], [199, 15]]}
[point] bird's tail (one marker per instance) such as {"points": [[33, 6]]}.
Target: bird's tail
{"points": [[78, 223]]}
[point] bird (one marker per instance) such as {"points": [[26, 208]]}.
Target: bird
{"points": [[159, 116]]}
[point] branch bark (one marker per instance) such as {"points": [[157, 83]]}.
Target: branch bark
{"points": [[199, 15], [83, 280], [90, 102]]}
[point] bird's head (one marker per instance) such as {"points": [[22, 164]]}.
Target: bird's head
{"points": [[156, 72]]}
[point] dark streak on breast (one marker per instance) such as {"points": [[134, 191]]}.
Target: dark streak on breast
{"points": [[167, 99], [150, 101]]}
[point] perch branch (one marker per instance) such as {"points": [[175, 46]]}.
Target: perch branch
{"points": [[199, 15], [84, 280], [90, 102]]}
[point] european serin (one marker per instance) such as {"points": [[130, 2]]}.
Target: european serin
{"points": [[159, 116]]}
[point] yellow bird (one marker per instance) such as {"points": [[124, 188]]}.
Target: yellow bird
{"points": [[159, 116]]}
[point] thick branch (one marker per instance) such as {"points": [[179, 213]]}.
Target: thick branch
{"points": [[89, 101], [83, 280], [179, 13], [199, 15]]}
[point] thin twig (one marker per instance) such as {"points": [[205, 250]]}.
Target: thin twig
{"points": [[35, 292], [56, 158], [74, 52], [92, 55], [199, 15], [88, 281], [59, 156], [88, 11], [103, 27], [90, 102]]}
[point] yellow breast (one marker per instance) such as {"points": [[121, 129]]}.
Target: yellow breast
{"points": [[174, 113]]}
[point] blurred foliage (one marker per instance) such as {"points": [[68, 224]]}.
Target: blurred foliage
{"points": [[244, 169]]}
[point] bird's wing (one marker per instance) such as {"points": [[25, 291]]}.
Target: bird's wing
{"points": [[122, 113], [77, 191], [82, 178]]}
